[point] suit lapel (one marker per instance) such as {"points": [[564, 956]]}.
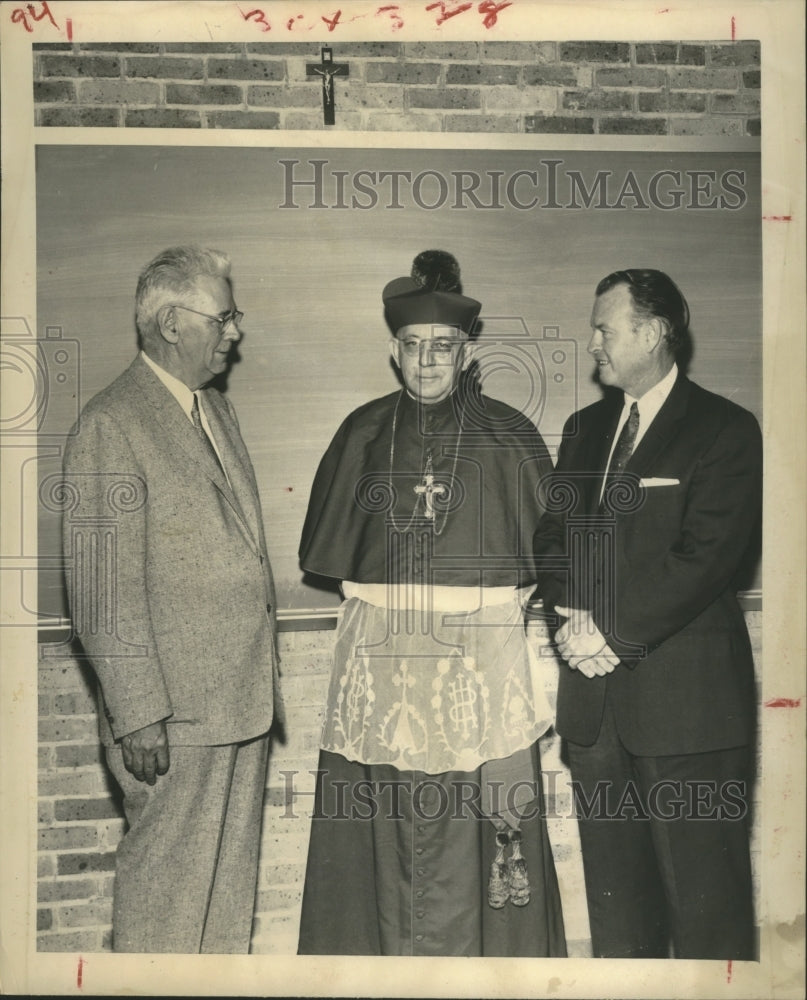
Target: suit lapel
{"points": [[600, 449], [236, 462], [662, 430], [173, 422]]}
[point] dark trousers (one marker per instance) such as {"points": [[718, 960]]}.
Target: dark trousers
{"points": [[665, 850]]}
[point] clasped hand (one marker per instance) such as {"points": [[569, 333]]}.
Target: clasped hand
{"points": [[145, 752], [582, 645]]}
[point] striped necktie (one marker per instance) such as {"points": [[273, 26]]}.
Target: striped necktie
{"points": [[197, 423], [623, 449]]}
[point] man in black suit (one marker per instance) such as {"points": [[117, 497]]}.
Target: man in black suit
{"points": [[654, 499]]}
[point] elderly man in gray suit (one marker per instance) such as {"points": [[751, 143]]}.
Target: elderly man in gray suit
{"points": [[186, 713]]}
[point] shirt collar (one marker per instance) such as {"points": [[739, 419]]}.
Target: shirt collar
{"points": [[181, 393], [653, 400]]}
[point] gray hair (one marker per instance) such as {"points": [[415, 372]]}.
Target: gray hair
{"points": [[172, 273]]}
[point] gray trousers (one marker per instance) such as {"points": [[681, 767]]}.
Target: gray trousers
{"points": [[187, 867]]}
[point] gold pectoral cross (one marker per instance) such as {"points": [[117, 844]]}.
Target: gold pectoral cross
{"points": [[428, 490]]}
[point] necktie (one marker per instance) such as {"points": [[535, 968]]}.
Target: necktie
{"points": [[624, 446], [197, 423]]}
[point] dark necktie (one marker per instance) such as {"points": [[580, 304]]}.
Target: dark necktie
{"points": [[624, 446], [197, 423]]}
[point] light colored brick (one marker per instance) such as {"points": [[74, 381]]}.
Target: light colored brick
{"points": [[677, 101], [746, 102], [162, 118], [118, 92], [69, 783], [75, 703], [568, 124], [606, 52], [268, 900], [54, 91], [465, 98], [632, 77], [62, 889], [707, 126], [246, 69], [62, 837], [83, 756], [78, 65], [78, 941], [285, 97], [110, 833], [73, 730], [60, 675], [275, 876], [164, 68], [483, 123], [211, 94], [85, 862], [522, 52], [314, 120], [735, 54], [69, 809], [702, 79], [403, 73], [486, 74], [597, 100], [95, 914], [520, 99], [443, 51], [243, 119]]}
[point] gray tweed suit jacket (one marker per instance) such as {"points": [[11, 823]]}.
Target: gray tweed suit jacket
{"points": [[188, 585]]}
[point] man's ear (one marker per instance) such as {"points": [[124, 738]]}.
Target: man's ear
{"points": [[167, 323], [395, 350], [654, 329]]}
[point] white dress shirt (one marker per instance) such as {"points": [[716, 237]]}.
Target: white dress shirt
{"points": [[184, 396]]}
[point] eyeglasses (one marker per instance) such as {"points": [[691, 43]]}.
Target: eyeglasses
{"points": [[441, 348], [223, 321]]}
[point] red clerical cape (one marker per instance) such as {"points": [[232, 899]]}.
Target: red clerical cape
{"points": [[489, 460]]}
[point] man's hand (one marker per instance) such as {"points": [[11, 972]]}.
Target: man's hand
{"points": [[582, 645], [145, 752]]}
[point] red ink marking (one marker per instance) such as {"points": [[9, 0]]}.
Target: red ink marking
{"points": [[728, 977], [18, 15], [291, 20], [445, 13], [80, 972], [491, 10], [733, 29], [69, 24], [777, 218], [332, 21], [392, 10], [783, 703], [259, 17]]}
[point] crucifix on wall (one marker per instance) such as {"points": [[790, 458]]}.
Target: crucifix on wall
{"points": [[328, 69]]}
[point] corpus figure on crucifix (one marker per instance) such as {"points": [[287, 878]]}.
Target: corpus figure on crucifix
{"points": [[424, 507]]}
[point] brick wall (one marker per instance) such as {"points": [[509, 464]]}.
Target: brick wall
{"points": [[605, 88], [80, 817]]}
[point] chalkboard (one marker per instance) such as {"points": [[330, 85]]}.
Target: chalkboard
{"points": [[314, 233]]}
